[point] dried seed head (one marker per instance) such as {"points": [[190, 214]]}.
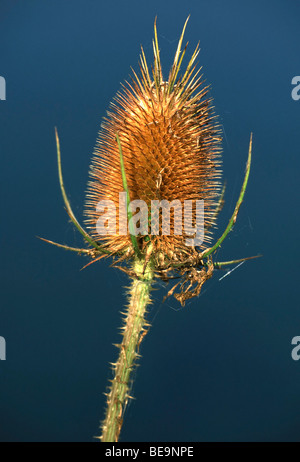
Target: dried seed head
{"points": [[171, 150]]}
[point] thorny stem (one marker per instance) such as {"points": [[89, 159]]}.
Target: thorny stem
{"points": [[134, 329]]}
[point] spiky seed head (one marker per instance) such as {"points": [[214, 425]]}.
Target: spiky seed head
{"points": [[171, 150]]}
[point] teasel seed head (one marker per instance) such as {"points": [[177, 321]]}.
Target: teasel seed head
{"points": [[171, 147]]}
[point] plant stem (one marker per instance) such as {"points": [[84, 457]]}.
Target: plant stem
{"points": [[134, 329]]}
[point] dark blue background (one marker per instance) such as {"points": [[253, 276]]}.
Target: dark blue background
{"points": [[219, 369]]}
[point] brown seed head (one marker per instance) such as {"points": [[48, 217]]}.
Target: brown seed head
{"points": [[171, 150]]}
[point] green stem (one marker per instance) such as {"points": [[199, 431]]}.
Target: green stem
{"points": [[134, 329]]}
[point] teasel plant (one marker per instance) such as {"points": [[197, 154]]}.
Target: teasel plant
{"points": [[159, 142]]}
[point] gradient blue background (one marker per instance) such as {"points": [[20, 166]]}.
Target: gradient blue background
{"points": [[219, 369]]}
